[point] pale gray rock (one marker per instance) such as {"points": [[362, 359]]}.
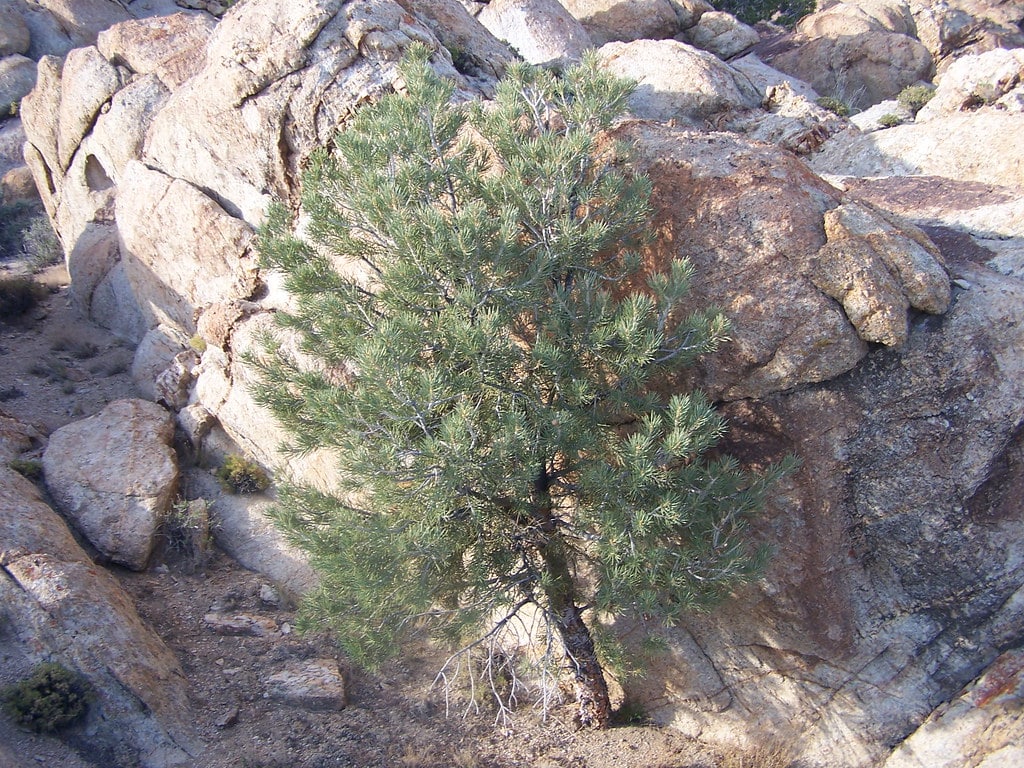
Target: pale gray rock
{"points": [[980, 728], [315, 684], [941, 27], [27, 524], [975, 81], [609, 21], [874, 118], [17, 77], [788, 120], [685, 83], [245, 531], [156, 215], [12, 139], [154, 355], [17, 184], [14, 34], [722, 34], [169, 47], [765, 77], [992, 215], [15, 437], [474, 51], [981, 146], [541, 31], [174, 384], [87, 82], [115, 475]]}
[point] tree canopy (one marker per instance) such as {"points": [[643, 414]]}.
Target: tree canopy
{"points": [[476, 340]]}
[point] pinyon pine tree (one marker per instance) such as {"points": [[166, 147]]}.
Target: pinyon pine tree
{"points": [[468, 339]]}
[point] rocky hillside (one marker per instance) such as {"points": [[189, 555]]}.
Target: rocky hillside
{"points": [[866, 241]]}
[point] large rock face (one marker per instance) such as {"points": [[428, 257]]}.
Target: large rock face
{"points": [[115, 475]]}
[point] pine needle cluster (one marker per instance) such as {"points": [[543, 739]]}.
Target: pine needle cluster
{"points": [[471, 348]]}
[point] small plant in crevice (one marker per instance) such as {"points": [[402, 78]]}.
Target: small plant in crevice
{"points": [[914, 97], [50, 699], [890, 120], [188, 531], [29, 468], [241, 475], [197, 344], [834, 105]]}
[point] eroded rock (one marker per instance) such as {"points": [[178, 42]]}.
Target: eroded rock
{"points": [[115, 475]]}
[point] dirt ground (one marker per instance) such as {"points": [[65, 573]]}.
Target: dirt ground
{"points": [[56, 368]]}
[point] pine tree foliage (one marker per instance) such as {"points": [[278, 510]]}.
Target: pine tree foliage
{"points": [[464, 284]]}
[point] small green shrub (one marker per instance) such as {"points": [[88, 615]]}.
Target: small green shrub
{"points": [[19, 295], [240, 475], [198, 344], [15, 218], [833, 105], [10, 393], [890, 120], [40, 244], [189, 532], [50, 699], [913, 97], [30, 468]]}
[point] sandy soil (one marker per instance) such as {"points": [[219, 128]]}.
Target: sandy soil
{"points": [[56, 368]]}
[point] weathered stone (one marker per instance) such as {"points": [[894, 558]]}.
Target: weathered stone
{"points": [[18, 184], [115, 475], [684, 84], [245, 531], [170, 47], [764, 77], [172, 229], [789, 120], [153, 355], [87, 83], [860, 69], [14, 34], [722, 34], [173, 385], [540, 31], [17, 77], [867, 611], [980, 728], [241, 624], [15, 437], [56, 604], [609, 21], [977, 146], [750, 219], [974, 81], [27, 524], [73, 611], [475, 52], [317, 684], [877, 272]]}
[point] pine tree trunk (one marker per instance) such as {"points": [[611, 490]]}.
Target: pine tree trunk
{"points": [[595, 709], [591, 688]]}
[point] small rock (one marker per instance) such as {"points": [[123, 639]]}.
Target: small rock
{"points": [[269, 595], [240, 624], [228, 718], [316, 684]]}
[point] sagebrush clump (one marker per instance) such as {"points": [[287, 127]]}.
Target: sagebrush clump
{"points": [[50, 699], [241, 475], [914, 97]]}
